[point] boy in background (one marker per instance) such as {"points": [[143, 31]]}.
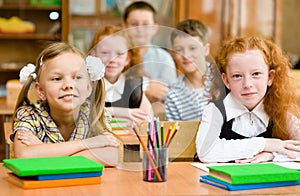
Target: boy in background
{"points": [[140, 20], [200, 80]]}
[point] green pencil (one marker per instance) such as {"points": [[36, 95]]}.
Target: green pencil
{"points": [[162, 134]]}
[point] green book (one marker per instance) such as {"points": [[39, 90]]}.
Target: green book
{"points": [[253, 173], [115, 120], [51, 165]]}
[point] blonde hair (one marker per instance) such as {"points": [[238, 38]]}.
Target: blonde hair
{"points": [[280, 98], [106, 32], [98, 97]]}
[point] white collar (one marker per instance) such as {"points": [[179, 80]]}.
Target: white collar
{"points": [[117, 86], [235, 109]]}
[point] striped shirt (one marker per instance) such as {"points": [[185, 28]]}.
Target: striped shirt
{"points": [[184, 103], [37, 120]]}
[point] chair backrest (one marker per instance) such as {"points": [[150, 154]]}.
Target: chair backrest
{"points": [[13, 88], [9, 148], [7, 131], [182, 147]]}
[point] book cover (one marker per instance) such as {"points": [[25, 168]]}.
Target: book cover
{"points": [[51, 165], [68, 176], [204, 166], [231, 187], [253, 173], [30, 183], [118, 124]]}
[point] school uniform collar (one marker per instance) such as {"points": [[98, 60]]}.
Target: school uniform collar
{"points": [[118, 86], [235, 109]]}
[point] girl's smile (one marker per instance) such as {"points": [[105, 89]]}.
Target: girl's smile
{"points": [[248, 76], [64, 87], [113, 52]]}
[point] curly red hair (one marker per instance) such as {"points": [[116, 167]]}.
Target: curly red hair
{"points": [[281, 97]]}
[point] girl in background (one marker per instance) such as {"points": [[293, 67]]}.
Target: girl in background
{"points": [[62, 123], [124, 77]]}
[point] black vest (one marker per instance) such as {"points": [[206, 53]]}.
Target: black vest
{"points": [[227, 132], [132, 95]]}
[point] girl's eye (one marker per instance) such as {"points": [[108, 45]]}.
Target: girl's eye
{"points": [[56, 78], [104, 53], [121, 53], [236, 76], [193, 48], [78, 77], [256, 74]]}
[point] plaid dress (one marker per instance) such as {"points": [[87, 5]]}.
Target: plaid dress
{"points": [[37, 120]]}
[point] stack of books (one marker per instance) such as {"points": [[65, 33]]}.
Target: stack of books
{"points": [[121, 127], [57, 171], [250, 176]]}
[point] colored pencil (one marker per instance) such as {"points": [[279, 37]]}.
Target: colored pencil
{"points": [[162, 134], [156, 132], [168, 134], [137, 132], [171, 138]]}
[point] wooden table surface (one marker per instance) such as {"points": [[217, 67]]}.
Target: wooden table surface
{"points": [[126, 179]]}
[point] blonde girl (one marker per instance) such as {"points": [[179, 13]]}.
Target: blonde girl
{"points": [[69, 118]]}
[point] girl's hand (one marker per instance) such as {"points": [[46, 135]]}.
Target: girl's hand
{"points": [[259, 158], [100, 141], [137, 116], [282, 146], [28, 138]]}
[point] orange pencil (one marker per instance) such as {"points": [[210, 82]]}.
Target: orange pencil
{"points": [[137, 132], [172, 136], [168, 134]]}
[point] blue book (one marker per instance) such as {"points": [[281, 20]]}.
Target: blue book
{"points": [[68, 176], [233, 187]]}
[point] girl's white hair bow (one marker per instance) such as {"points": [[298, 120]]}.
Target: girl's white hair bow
{"points": [[95, 67], [26, 71]]}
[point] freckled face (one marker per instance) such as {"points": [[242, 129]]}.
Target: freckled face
{"points": [[248, 76], [64, 82]]}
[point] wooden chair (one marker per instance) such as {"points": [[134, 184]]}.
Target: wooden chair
{"points": [[13, 88], [9, 148], [182, 147]]}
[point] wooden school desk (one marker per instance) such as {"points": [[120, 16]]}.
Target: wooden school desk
{"points": [[182, 179]]}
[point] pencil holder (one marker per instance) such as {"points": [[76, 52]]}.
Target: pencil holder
{"points": [[155, 165]]}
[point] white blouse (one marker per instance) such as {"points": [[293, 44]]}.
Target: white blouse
{"points": [[114, 91], [211, 148]]}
